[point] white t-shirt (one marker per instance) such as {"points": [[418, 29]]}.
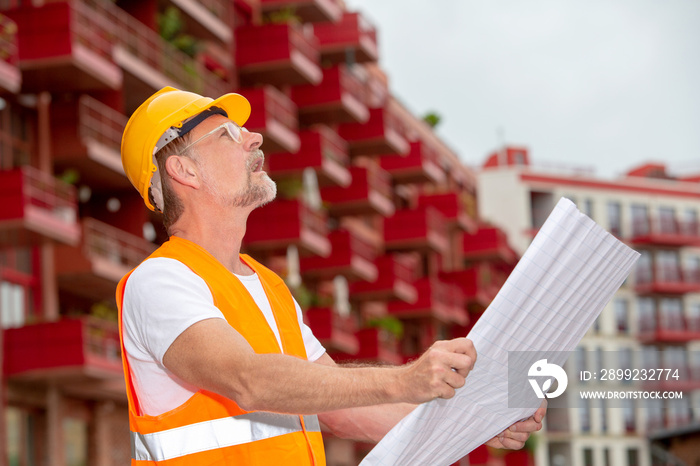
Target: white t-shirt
{"points": [[162, 298]]}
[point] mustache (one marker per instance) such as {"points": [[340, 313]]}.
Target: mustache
{"points": [[254, 156]]}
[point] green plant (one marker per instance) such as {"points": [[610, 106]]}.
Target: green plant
{"points": [[104, 310], [290, 188], [284, 15], [171, 26], [391, 324], [432, 118]]}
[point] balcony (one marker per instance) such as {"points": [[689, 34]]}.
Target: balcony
{"points": [[320, 149], [36, 207], [10, 76], [278, 54], [478, 283], [454, 206], [369, 193], [209, 19], [672, 280], [275, 117], [435, 300], [672, 329], [350, 256], [339, 98], [353, 36], [665, 232], [65, 47], [86, 136], [308, 11], [335, 332], [421, 165], [93, 269], [71, 350], [394, 281], [488, 243], [381, 134], [417, 229], [285, 223], [376, 346]]}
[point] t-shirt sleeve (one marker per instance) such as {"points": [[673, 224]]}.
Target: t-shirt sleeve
{"points": [[163, 298], [314, 348]]}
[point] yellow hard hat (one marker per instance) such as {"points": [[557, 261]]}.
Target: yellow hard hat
{"points": [[160, 119]]}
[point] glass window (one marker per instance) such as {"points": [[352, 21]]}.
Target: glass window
{"points": [[588, 207], [668, 266], [21, 447], [615, 218], [75, 442], [671, 314], [621, 315], [629, 415], [667, 220], [12, 305], [693, 322], [647, 315], [588, 457], [690, 222], [640, 219], [603, 415], [632, 457], [585, 415]]}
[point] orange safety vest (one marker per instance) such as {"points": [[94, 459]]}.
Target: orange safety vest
{"points": [[210, 429]]}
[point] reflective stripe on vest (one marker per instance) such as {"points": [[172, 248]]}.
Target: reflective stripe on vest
{"points": [[219, 433]]}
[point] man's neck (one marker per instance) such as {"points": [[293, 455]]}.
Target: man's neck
{"points": [[219, 236]]}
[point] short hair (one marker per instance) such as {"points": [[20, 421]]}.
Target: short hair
{"points": [[172, 205]]}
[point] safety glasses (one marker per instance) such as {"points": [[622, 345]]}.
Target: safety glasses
{"points": [[233, 130]]}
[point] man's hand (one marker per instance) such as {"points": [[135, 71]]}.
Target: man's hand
{"points": [[514, 437], [439, 371]]}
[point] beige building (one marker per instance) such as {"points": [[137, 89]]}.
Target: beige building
{"points": [[653, 320]]}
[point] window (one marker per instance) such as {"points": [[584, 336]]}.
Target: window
{"points": [[12, 305], [588, 457], [693, 323], [629, 416], [667, 220], [640, 219], [15, 136], [621, 315], [647, 315], [615, 218], [588, 207], [603, 415], [668, 267], [75, 438], [644, 272], [690, 223], [585, 415], [23, 446], [671, 314], [632, 457]]}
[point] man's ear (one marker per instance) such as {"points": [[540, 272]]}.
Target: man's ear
{"points": [[183, 170]]}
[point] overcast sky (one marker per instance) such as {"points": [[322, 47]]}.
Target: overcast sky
{"points": [[606, 84]]}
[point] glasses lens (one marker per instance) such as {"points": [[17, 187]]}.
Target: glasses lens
{"points": [[234, 131]]}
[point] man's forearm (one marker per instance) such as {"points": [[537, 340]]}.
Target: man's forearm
{"points": [[366, 424]]}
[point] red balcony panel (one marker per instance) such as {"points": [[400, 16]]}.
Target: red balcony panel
{"points": [[421, 165], [376, 345], [350, 257], [478, 283], [64, 47], [86, 136], [36, 207], [105, 255], [669, 330], [339, 98], [322, 150], [416, 229], [335, 332], [71, 350], [381, 134], [488, 243], [667, 280], [284, 223], [458, 305], [352, 34], [433, 301], [278, 54], [394, 281], [308, 11], [275, 117], [665, 232], [10, 76], [369, 192], [453, 206]]}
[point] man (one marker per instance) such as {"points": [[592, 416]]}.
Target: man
{"points": [[220, 368]]}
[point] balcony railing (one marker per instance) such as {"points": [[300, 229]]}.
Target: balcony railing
{"points": [[77, 349], [283, 223], [353, 34], [338, 98], [308, 11], [479, 283], [278, 54], [435, 300], [667, 280], [376, 345], [335, 332], [320, 149], [394, 281], [381, 134], [36, 207], [456, 207], [369, 192], [669, 329], [350, 256], [420, 229], [488, 243], [665, 232], [110, 25], [421, 165], [275, 117], [100, 122], [105, 241]]}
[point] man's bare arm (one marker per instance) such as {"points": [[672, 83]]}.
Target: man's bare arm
{"points": [[212, 355]]}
